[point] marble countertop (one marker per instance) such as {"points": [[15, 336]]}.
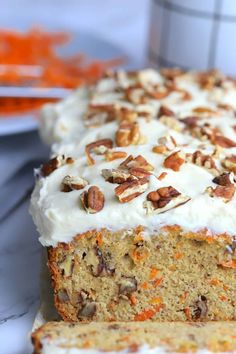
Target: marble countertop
{"points": [[20, 252]]}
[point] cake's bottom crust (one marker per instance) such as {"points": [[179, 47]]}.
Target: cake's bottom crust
{"points": [[124, 276], [117, 336]]}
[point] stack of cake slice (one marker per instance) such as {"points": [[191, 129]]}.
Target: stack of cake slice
{"points": [[137, 207]]}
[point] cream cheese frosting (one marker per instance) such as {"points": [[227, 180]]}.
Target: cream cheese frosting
{"points": [[59, 216]]}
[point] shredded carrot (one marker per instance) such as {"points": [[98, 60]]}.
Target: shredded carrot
{"points": [[225, 287], [182, 297], [133, 300], [140, 254], [148, 313], [144, 285], [215, 281], [99, 239], [153, 273], [187, 313], [229, 264], [36, 52], [178, 255], [157, 282], [223, 298], [155, 301]]}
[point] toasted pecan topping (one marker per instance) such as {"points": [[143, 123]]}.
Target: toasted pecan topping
{"points": [[171, 73], [224, 192], [112, 155], [191, 121], [103, 143], [117, 176], [126, 114], [206, 111], [92, 200], [99, 114], [158, 201], [70, 183], [137, 162], [166, 143], [230, 163], [128, 134], [225, 179], [165, 111], [174, 161], [210, 79], [225, 188], [223, 141], [136, 94], [206, 161], [171, 122], [129, 190], [55, 163]]}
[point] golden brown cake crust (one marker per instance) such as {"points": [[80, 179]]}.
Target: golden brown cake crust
{"points": [[127, 276]]}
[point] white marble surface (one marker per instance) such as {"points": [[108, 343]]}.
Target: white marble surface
{"points": [[123, 23]]}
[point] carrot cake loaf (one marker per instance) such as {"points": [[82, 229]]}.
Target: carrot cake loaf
{"points": [[135, 337], [138, 211]]}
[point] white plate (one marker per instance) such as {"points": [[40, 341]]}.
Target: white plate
{"points": [[85, 43]]}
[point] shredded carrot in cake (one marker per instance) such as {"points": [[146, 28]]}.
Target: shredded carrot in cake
{"points": [[229, 264], [31, 59], [153, 273], [157, 282], [148, 313]]}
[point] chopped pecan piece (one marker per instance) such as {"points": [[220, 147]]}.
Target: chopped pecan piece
{"points": [[136, 94], [206, 111], [165, 111], [107, 143], [164, 199], [206, 161], [191, 122], [112, 155], [70, 183], [172, 123], [128, 134], [225, 188], [174, 161], [100, 114], [230, 163], [53, 164], [127, 285], [137, 162], [171, 73], [129, 190], [200, 308], [117, 176], [63, 296], [225, 179], [88, 310], [92, 200], [223, 141], [126, 114]]}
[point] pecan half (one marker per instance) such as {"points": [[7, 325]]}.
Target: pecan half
{"points": [[55, 163], [129, 190], [230, 163], [164, 199], [107, 143], [92, 200], [128, 134], [70, 183], [117, 176], [136, 162], [174, 161]]}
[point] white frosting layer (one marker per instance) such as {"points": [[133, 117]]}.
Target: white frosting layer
{"points": [[54, 349], [60, 216]]}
